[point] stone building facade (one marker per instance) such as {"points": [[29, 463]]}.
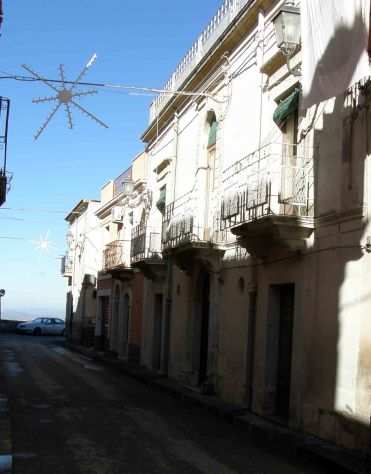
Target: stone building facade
{"points": [[250, 236], [80, 266], [264, 233], [120, 288]]}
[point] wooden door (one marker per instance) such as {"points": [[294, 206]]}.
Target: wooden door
{"points": [[205, 315], [157, 331], [286, 322]]}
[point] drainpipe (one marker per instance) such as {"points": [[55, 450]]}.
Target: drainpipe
{"points": [[168, 308], [259, 61], [169, 264], [176, 148], [83, 309]]}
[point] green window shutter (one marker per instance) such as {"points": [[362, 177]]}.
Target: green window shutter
{"points": [[286, 108], [212, 133], [161, 203]]}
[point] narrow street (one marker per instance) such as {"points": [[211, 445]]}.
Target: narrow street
{"points": [[72, 415]]}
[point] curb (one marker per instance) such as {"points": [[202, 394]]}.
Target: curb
{"points": [[283, 439]]}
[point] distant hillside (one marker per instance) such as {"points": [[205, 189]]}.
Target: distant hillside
{"points": [[28, 314], [16, 315]]}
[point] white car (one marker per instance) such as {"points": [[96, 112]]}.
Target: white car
{"points": [[41, 326]]}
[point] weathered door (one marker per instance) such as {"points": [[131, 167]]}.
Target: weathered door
{"points": [[205, 314], [157, 331], [250, 349], [105, 320], [286, 320], [125, 325], [114, 336]]}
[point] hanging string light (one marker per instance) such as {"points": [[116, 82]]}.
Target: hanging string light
{"points": [[44, 244], [66, 96]]}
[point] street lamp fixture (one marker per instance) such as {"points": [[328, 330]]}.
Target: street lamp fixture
{"points": [[288, 34], [2, 293]]}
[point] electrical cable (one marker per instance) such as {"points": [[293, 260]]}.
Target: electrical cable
{"points": [[12, 218], [30, 209], [6, 237], [126, 87]]}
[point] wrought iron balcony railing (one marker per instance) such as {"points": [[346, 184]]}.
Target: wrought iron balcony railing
{"points": [[145, 244], [182, 224], [116, 255], [179, 232], [275, 180], [66, 266]]}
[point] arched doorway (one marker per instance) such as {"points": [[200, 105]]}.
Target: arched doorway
{"points": [[115, 320]]}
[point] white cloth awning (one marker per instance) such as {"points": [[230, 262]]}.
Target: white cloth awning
{"points": [[334, 47]]}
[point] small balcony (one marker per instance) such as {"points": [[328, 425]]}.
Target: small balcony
{"points": [[146, 252], [3, 187], [116, 258], [66, 266], [184, 236], [269, 199]]}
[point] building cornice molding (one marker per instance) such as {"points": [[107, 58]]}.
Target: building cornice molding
{"points": [[103, 211], [243, 23], [78, 210], [334, 218]]}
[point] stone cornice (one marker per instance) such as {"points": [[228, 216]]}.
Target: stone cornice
{"points": [[227, 42], [334, 218], [103, 211]]}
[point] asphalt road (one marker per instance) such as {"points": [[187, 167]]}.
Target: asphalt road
{"points": [[72, 415]]}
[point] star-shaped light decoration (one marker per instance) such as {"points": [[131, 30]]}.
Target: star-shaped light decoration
{"points": [[65, 96], [44, 244]]}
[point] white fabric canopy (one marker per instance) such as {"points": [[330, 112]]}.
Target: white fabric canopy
{"points": [[334, 47]]}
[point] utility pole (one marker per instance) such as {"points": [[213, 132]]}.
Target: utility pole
{"points": [[2, 293]]}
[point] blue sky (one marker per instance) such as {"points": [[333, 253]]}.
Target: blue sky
{"points": [[137, 43]]}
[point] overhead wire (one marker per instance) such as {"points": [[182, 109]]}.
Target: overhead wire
{"points": [[12, 218], [125, 87], [7, 237], [132, 90], [30, 209]]}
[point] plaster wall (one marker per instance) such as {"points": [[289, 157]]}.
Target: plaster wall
{"points": [[233, 334], [181, 326], [147, 343], [161, 169], [140, 167], [241, 126], [107, 192], [85, 249], [330, 374]]}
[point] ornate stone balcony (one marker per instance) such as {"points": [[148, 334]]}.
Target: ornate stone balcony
{"points": [[185, 236], [269, 199], [116, 258], [66, 266], [146, 251]]}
